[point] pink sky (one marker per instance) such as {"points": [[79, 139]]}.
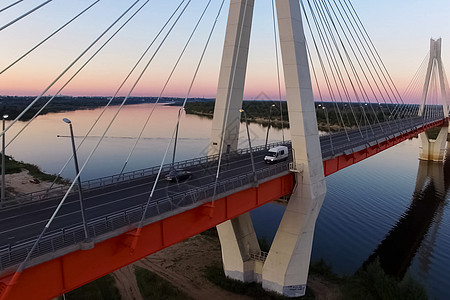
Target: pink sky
{"points": [[401, 42]]}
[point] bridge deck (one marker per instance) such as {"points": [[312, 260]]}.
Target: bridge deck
{"points": [[114, 204]]}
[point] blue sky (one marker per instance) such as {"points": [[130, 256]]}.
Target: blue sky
{"points": [[400, 30]]}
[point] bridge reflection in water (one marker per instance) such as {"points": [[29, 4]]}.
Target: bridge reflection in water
{"points": [[416, 230]]}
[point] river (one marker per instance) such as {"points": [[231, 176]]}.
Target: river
{"points": [[391, 205]]}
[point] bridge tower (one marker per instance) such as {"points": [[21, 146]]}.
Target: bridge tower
{"points": [[434, 149], [286, 267]]}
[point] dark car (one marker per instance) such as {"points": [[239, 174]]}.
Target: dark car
{"points": [[176, 175]]}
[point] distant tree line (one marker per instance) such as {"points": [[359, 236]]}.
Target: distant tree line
{"points": [[330, 116], [14, 105]]}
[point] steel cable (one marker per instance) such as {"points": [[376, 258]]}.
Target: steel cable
{"points": [[164, 87], [68, 68], [48, 37], [25, 14], [9, 6], [278, 68], [22, 265], [139, 227]]}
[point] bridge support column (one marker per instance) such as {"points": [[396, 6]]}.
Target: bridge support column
{"points": [[285, 270], [434, 149], [238, 240], [237, 236]]}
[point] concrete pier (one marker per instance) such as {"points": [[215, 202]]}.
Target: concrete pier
{"points": [[434, 150], [285, 270], [237, 236]]}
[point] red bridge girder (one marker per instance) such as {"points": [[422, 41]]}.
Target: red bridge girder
{"points": [[65, 273]]}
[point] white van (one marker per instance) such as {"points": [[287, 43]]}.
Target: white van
{"points": [[276, 154]]}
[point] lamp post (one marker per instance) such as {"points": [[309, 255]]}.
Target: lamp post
{"points": [[176, 137], [249, 145], [268, 126], [77, 170], [5, 116]]}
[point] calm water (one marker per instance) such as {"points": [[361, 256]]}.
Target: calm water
{"points": [[390, 204]]}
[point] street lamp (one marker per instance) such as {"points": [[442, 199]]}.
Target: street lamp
{"points": [[77, 170], [249, 145], [268, 126], [176, 137], [5, 116]]}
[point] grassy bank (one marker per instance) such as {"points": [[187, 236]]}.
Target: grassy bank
{"points": [[372, 283], [216, 275], [14, 166], [103, 288], [154, 287]]}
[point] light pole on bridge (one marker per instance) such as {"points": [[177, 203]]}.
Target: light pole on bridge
{"points": [[5, 116], [176, 137], [77, 171], [249, 145], [268, 126]]}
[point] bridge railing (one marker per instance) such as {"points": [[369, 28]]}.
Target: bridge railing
{"points": [[127, 176], [358, 139], [11, 255], [391, 128], [99, 182], [128, 219]]}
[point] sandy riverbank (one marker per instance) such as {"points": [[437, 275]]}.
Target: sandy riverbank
{"points": [[183, 265], [24, 183]]}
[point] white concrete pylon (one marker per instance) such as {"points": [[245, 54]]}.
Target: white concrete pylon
{"points": [[286, 268], [435, 61], [230, 90], [237, 236], [237, 241], [434, 150]]}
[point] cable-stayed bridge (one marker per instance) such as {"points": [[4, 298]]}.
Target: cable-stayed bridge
{"points": [[56, 240]]}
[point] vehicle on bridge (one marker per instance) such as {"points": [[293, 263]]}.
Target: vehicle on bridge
{"points": [[276, 154], [176, 175]]}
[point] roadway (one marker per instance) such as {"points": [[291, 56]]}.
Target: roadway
{"points": [[27, 221], [22, 223]]}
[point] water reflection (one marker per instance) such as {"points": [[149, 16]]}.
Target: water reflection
{"points": [[421, 220]]}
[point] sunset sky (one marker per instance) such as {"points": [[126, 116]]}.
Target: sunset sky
{"points": [[400, 30]]}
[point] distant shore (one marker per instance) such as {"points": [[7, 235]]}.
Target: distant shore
{"points": [[330, 116], [14, 105]]}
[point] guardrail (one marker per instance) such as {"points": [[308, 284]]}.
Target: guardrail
{"points": [[258, 255], [128, 176], [11, 255], [384, 131], [390, 128]]}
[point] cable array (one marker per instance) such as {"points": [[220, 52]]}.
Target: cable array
{"points": [[352, 83], [182, 7], [358, 88]]}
